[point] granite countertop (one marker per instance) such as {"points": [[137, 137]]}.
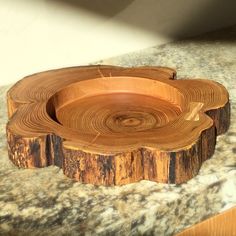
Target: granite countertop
{"points": [[45, 202]]}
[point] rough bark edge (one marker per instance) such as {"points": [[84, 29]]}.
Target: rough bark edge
{"points": [[221, 118], [27, 152], [142, 164], [31, 152]]}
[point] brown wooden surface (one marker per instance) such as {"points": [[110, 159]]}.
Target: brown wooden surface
{"points": [[223, 224], [112, 125]]}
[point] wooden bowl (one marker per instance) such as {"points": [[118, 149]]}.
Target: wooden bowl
{"points": [[111, 125]]}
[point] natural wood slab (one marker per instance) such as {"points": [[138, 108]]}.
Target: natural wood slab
{"points": [[112, 125]]}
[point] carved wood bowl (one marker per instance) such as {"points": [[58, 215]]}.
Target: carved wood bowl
{"points": [[112, 125]]}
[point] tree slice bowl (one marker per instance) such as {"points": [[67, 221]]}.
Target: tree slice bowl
{"points": [[109, 125]]}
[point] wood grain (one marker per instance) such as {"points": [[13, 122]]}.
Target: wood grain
{"points": [[222, 224], [112, 125]]}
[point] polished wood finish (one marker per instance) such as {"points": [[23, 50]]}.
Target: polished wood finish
{"points": [[112, 125], [220, 225]]}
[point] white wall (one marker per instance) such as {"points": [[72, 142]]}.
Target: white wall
{"points": [[44, 34]]}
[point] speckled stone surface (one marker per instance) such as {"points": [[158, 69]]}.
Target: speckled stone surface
{"points": [[45, 202]]}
